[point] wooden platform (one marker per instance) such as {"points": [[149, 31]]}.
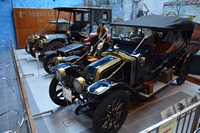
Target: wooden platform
{"points": [[194, 79], [140, 104]]}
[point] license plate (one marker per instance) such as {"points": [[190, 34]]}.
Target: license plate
{"points": [[67, 93], [37, 56]]}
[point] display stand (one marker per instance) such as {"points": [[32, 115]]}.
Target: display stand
{"points": [[69, 121], [194, 79], [67, 93], [38, 64]]}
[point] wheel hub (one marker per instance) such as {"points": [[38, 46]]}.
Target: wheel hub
{"points": [[113, 114]]}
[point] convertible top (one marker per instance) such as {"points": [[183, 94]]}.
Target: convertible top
{"points": [[81, 8], [158, 22]]}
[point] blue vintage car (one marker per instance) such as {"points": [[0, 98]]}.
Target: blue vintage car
{"points": [[146, 54]]}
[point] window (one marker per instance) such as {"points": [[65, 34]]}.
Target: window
{"points": [[105, 16], [97, 15], [78, 16], [86, 16]]}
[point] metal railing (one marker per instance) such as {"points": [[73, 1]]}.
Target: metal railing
{"points": [[187, 121], [31, 124]]}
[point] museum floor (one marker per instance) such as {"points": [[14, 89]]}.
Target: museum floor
{"points": [[63, 119]]}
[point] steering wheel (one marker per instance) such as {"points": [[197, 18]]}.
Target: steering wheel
{"points": [[84, 34]]}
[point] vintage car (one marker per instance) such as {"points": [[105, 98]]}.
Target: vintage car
{"points": [[82, 22], [135, 65], [82, 30], [71, 53], [45, 40]]}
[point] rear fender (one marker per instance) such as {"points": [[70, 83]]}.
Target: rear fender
{"points": [[181, 62]]}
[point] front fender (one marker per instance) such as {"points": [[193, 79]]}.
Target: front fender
{"points": [[70, 58], [50, 52], [52, 37], [61, 65], [66, 66], [103, 86]]}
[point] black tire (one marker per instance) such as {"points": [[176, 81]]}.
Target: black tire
{"points": [[49, 63], [55, 90], [106, 113], [183, 73], [33, 49], [27, 47], [55, 45]]}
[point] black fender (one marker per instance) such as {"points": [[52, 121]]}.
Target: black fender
{"points": [[70, 58], [183, 59], [68, 66], [49, 52], [54, 37], [104, 86]]}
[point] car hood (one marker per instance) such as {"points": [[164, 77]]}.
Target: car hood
{"points": [[96, 70]]}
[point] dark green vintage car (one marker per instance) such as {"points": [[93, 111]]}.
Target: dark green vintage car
{"points": [[82, 22], [147, 54]]}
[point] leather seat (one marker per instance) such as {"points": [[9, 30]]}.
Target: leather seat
{"points": [[162, 47]]}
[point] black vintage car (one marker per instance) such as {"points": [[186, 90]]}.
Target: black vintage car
{"points": [[45, 40], [147, 54], [71, 53], [82, 22]]}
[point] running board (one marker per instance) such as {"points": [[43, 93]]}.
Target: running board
{"points": [[158, 86]]}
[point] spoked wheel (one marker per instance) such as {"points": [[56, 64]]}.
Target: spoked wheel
{"points": [[49, 63], [55, 90], [35, 49], [55, 45], [111, 112], [27, 47], [183, 73]]}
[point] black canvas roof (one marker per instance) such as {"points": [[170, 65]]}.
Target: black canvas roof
{"points": [[159, 22]]}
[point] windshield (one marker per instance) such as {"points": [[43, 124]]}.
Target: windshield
{"points": [[133, 34], [62, 27]]}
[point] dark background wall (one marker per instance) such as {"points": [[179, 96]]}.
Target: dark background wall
{"points": [[7, 28]]}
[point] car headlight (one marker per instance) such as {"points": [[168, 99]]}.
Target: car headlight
{"points": [[79, 84], [41, 42], [60, 74], [36, 37], [58, 60], [68, 33], [31, 39]]}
